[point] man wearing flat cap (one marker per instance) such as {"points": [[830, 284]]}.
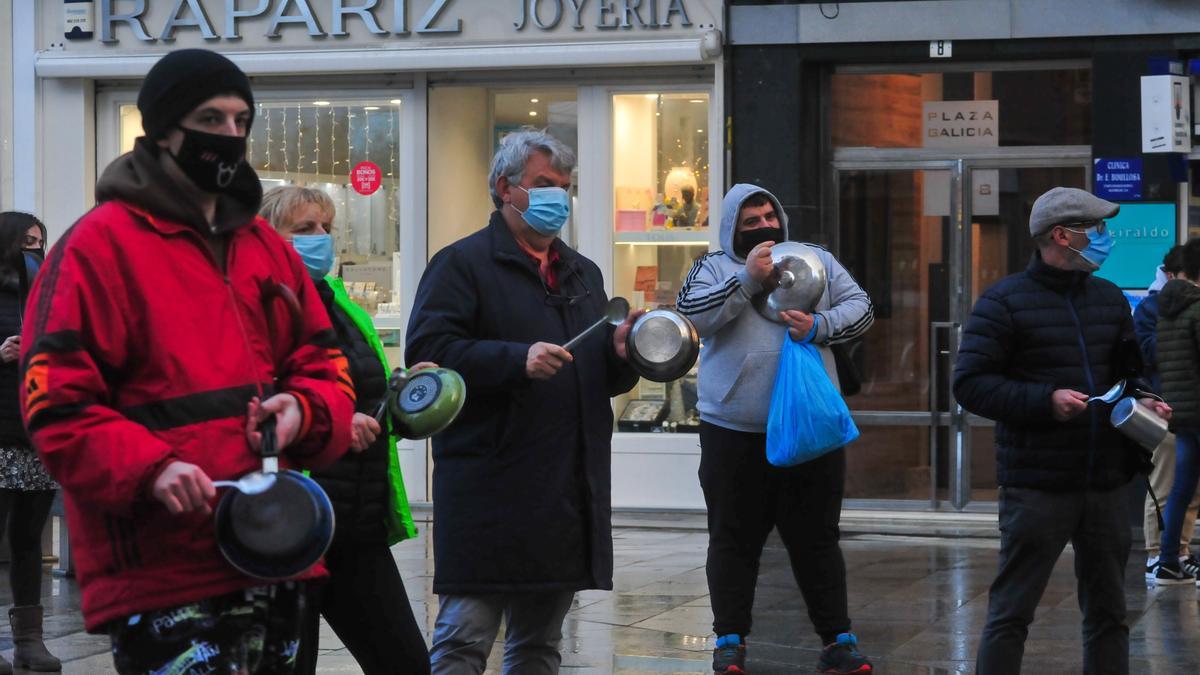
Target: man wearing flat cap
{"points": [[154, 348], [1038, 344]]}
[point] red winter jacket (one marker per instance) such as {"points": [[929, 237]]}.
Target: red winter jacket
{"points": [[137, 351]]}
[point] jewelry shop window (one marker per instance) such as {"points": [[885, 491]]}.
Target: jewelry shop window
{"points": [[351, 151], [660, 227]]}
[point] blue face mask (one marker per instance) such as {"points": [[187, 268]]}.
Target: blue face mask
{"points": [[1099, 246], [33, 261], [316, 250], [548, 209]]}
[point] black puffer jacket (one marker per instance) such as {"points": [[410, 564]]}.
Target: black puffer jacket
{"points": [[12, 302], [1032, 333], [357, 484], [1178, 357]]}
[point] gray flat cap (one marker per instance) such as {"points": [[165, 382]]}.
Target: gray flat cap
{"points": [[1063, 206]]}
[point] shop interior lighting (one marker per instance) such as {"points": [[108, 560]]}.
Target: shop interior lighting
{"points": [[533, 113], [371, 107], [696, 100], [395, 101], [533, 100], [320, 102], [651, 96]]}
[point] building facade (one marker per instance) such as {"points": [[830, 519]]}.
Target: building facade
{"points": [[912, 139], [395, 108]]}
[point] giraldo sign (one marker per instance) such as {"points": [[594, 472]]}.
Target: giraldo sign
{"points": [[233, 20]]}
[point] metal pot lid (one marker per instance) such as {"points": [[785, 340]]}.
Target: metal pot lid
{"points": [[797, 282]]}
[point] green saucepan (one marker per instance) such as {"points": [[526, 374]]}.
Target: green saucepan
{"points": [[424, 402]]}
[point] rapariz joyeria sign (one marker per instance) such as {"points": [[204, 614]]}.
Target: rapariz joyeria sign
{"points": [[405, 17]]}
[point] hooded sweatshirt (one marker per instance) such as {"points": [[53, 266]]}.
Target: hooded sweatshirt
{"points": [[740, 348], [1178, 357]]}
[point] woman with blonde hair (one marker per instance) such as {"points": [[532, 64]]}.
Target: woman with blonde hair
{"points": [[364, 601]]}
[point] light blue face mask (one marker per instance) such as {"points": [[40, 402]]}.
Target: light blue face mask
{"points": [[548, 209], [316, 250], [1099, 246]]}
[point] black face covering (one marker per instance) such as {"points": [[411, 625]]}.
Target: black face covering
{"points": [[744, 242], [210, 160]]}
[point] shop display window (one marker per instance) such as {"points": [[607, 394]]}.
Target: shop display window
{"points": [[660, 226], [351, 151], [466, 125]]}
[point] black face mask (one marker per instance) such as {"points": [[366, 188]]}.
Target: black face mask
{"points": [[744, 242], [210, 160]]}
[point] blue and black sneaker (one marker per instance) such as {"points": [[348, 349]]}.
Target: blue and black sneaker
{"points": [[842, 657], [729, 658]]}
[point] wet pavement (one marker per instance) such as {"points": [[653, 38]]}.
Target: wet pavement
{"points": [[918, 605]]}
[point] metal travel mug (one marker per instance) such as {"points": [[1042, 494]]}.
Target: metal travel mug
{"points": [[1138, 423]]}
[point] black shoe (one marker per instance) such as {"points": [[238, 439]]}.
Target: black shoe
{"points": [[730, 659], [842, 657]]}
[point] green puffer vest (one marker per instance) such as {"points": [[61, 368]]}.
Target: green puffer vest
{"points": [[400, 524], [1179, 352]]}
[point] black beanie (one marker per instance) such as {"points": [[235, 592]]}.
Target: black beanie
{"points": [[184, 79]]}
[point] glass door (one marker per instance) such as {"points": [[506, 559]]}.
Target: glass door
{"points": [[925, 239], [897, 236]]}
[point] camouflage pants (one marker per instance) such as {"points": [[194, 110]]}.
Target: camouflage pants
{"points": [[252, 631]]}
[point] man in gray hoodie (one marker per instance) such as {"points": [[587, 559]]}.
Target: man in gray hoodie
{"points": [[746, 496]]}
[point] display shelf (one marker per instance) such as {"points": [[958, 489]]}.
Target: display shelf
{"points": [[679, 237]]}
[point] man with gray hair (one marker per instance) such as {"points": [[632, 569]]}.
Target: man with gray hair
{"points": [[1038, 345], [521, 480]]}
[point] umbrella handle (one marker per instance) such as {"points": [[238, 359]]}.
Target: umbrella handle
{"points": [[271, 291]]}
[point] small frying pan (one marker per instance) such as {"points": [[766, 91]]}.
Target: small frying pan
{"points": [[280, 532]]}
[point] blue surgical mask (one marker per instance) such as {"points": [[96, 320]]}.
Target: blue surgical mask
{"points": [[316, 250], [548, 209], [1099, 246]]}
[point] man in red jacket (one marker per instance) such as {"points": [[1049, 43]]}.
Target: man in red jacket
{"points": [[150, 362]]}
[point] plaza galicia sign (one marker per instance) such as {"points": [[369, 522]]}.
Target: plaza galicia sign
{"points": [[960, 124], [216, 20]]}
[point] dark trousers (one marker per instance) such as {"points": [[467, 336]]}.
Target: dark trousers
{"points": [[746, 498], [366, 605], [25, 513], [1035, 526]]}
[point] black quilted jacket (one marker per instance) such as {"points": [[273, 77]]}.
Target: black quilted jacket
{"points": [[1179, 352], [1034, 332]]}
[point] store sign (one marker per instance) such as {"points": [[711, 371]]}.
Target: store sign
{"points": [[960, 124], [366, 178], [1142, 235], [226, 19], [1166, 114], [1118, 180]]}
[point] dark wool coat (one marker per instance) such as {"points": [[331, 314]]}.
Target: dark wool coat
{"points": [[1179, 352], [1034, 332], [521, 480]]}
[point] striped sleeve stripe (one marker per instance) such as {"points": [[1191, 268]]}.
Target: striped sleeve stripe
{"points": [[858, 327], [708, 301], [696, 267]]}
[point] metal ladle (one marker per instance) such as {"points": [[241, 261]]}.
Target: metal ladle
{"points": [[1112, 395], [614, 313], [250, 484]]}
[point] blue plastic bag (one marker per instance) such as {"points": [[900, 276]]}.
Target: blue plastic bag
{"points": [[808, 416]]}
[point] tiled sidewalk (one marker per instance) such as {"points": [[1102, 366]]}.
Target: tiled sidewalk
{"points": [[918, 605]]}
